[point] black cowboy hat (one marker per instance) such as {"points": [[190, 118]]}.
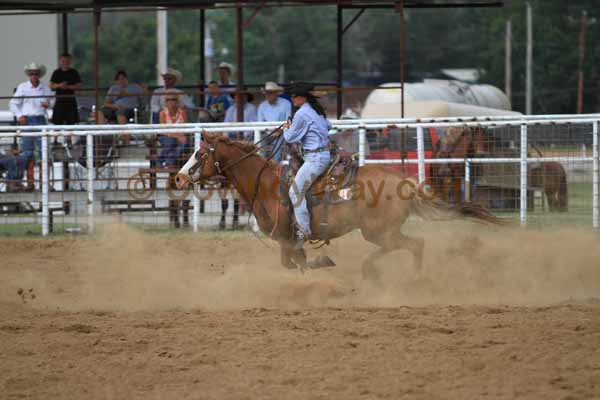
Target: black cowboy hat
{"points": [[303, 89], [249, 96]]}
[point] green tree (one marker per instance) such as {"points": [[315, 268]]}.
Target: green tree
{"points": [[303, 40]]}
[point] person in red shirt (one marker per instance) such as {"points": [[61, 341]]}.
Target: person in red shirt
{"points": [[172, 145]]}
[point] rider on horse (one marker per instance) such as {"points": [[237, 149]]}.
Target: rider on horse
{"points": [[310, 128]]}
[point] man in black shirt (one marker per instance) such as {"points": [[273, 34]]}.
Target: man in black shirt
{"points": [[65, 80]]}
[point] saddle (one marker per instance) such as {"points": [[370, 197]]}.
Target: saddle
{"points": [[332, 187], [339, 175]]}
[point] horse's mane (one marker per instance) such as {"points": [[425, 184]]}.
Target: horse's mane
{"points": [[240, 144], [244, 146]]}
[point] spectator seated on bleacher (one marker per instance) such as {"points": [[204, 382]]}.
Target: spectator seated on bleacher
{"points": [[13, 166], [216, 103], [122, 99], [172, 145], [249, 115], [273, 109], [158, 102], [225, 71]]}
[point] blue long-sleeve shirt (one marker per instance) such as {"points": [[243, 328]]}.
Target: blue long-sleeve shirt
{"points": [[308, 128], [279, 111]]}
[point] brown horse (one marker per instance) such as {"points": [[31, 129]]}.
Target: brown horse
{"points": [[472, 142], [551, 176], [381, 202], [459, 142]]}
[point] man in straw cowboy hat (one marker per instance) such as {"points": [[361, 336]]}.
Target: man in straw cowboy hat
{"points": [[171, 77], [225, 70], [172, 145], [273, 109], [29, 105]]}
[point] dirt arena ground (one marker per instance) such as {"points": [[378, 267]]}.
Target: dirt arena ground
{"points": [[128, 315]]}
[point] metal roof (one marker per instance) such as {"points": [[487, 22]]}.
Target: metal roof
{"points": [[72, 5]]}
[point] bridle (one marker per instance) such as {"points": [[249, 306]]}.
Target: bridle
{"points": [[212, 150], [200, 164]]}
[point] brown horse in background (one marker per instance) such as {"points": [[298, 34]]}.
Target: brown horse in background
{"points": [[459, 142], [381, 201], [465, 142], [551, 176]]}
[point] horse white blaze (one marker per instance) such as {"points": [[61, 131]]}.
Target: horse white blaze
{"points": [[185, 170]]}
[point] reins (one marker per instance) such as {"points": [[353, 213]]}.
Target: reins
{"points": [[220, 170], [253, 152]]}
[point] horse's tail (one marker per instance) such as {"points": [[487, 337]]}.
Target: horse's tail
{"points": [[432, 208]]}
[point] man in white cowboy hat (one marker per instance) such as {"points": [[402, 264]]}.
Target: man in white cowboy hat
{"points": [[29, 105], [274, 109], [225, 70], [171, 77]]}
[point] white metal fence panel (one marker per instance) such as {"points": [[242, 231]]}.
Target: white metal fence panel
{"points": [[541, 169]]}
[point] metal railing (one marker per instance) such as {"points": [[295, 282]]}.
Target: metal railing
{"points": [[362, 126]]}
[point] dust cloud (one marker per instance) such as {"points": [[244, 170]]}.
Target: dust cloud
{"points": [[124, 269]]}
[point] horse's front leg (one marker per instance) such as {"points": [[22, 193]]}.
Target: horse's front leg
{"points": [[291, 258]]}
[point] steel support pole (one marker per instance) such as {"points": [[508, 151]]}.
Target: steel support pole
{"points": [[65, 32], [362, 141], [253, 222], [240, 63], [96, 21], [202, 60], [467, 180], [339, 72], [421, 153], [508, 61], [402, 49], [595, 211], [257, 136], [90, 181], [529, 63], [195, 199], [45, 186], [162, 40], [523, 205]]}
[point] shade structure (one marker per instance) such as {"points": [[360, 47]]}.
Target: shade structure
{"points": [[65, 5], [97, 6]]}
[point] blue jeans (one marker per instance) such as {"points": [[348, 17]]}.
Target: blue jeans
{"points": [[170, 151], [31, 147], [9, 164], [314, 165]]}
